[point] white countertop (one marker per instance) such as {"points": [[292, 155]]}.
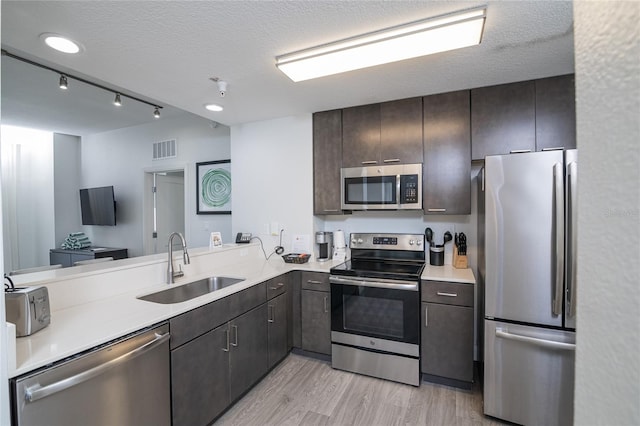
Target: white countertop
{"points": [[80, 327], [448, 273]]}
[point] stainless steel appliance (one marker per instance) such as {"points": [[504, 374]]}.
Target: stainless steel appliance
{"points": [[123, 383], [390, 187], [324, 246], [375, 307], [27, 308], [530, 286]]}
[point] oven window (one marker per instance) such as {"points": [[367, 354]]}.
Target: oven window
{"points": [[374, 316], [370, 190]]}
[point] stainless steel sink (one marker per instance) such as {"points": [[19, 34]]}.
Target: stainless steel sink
{"points": [[181, 293]]}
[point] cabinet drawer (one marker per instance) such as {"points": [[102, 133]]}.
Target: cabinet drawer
{"points": [[276, 286], [247, 299], [447, 293], [194, 323], [318, 281]]}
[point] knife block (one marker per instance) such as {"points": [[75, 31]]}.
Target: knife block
{"points": [[459, 261]]}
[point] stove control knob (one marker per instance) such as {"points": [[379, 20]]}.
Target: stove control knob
{"points": [[411, 242], [419, 242], [360, 241]]}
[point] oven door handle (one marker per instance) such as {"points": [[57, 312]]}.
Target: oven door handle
{"points": [[379, 283]]}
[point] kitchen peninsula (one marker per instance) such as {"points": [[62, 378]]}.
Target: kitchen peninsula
{"points": [[108, 308]]}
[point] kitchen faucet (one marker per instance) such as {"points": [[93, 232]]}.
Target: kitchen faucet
{"points": [[185, 257]]}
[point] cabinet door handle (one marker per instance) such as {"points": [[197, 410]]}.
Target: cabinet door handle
{"points": [[436, 210], [279, 285], [270, 316], [227, 348], [426, 316], [325, 304], [330, 210], [235, 343], [391, 160], [441, 293], [370, 162], [519, 151], [314, 282]]}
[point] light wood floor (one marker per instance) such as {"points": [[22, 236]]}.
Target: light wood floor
{"points": [[306, 391]]}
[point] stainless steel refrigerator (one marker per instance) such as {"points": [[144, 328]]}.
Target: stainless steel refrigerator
{"points": [[530, 286]]}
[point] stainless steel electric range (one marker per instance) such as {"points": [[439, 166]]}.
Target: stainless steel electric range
{"points": [[375, 307]]}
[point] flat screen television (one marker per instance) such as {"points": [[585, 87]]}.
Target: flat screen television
{"points": [[98, 206]]}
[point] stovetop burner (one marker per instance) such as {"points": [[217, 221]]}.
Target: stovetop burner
{"points": [[378, 269], [390, 256]]}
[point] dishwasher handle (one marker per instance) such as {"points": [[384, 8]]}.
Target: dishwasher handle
{"points": [[36, 392]]}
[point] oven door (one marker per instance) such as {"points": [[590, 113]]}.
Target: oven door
{"points": [[370, 310]]}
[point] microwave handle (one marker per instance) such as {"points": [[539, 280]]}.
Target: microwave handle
{"points": [[398, 195]]}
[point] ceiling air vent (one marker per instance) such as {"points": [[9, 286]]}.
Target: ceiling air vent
{"points": [[165, 149]]}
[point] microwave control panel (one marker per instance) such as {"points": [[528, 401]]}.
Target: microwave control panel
{"points": [[409, 189]]}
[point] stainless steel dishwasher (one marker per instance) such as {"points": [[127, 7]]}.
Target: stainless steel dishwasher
{"points": [[126, 382]]}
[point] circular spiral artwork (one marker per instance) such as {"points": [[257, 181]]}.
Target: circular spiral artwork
{"points": [[216, 188]]}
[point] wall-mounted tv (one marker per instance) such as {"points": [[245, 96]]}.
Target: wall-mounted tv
{"points": [[98, 206]]}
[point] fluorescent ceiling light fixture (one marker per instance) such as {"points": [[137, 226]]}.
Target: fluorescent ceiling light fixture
{"points": [[214, 107], [420, 38], [60, 43]]}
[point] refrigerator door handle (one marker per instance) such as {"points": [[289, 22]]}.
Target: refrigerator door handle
{"points": [[572, 224], [558, 181], [551, 344]]}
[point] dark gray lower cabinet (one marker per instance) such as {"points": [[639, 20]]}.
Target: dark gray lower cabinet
{"points": [[200, 378], [277, 326], [248, 350], [316, 321], [447, 341]]}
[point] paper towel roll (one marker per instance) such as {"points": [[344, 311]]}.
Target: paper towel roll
{"points": [[338, 239], [11, 347]]}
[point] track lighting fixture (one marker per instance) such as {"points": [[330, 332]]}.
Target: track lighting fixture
{"points": [[64, 83]]}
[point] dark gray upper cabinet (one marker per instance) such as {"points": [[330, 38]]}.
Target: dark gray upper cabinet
{"points": [[327, 160], [385, 133], [361, 136], [446, 175], [503, 119], [401, 131], [555, 112]]}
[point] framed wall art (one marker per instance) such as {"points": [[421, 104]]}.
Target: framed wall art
{"points": [[213, 187]]}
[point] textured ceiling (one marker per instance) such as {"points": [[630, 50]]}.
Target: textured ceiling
{"points": [[166, 51]]}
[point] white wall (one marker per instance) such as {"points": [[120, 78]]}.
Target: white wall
{"points": [[120, 158], [66, 183], [272, 180], [607, 53], [27, 179]]}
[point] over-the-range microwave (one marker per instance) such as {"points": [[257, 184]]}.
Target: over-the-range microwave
{"points": [[388, 187]]}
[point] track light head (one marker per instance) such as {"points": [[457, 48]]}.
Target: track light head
{"points": [[156, 113], [63, 82], [117, 101]]}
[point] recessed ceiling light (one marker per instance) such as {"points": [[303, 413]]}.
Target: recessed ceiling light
{"points": [[214, 107], [60, 43]]}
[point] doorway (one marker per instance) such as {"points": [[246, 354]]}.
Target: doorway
{"points": [[164, 209]]}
